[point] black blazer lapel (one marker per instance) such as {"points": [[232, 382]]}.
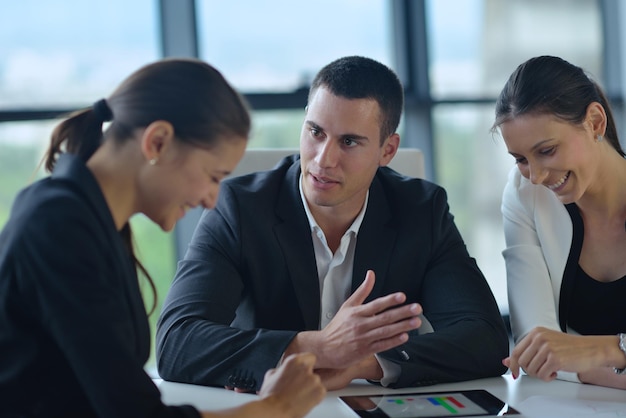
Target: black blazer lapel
{"points": [[294, 236], [375, 241], [72, 170]]}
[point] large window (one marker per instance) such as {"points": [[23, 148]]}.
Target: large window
{"points": [[70, 53], [472, 53], [279, 45], [66, 54]]}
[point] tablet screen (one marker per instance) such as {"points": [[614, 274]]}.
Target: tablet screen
{"points": [[471, 403]]}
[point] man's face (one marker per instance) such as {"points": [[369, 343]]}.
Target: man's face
{"points": [[340, 151]]}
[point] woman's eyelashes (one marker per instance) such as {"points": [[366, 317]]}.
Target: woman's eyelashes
{"points": [[544, 152], [548, 150]]}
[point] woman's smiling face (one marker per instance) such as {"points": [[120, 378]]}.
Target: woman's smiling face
{"points": [[554, 153], [188, 177]]}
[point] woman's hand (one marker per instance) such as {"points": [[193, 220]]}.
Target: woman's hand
{"points": [[334, 379], [543, 352], [289, 391], [293, 389]]}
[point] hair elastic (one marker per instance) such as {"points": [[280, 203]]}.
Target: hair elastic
{"points": [[102, 110]]}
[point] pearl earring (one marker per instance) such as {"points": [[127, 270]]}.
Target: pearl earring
{"points": [[153, 161]]}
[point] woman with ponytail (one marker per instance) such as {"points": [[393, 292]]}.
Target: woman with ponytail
{"points": [[74, 335]]}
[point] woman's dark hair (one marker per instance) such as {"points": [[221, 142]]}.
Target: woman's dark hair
{"points": [[190, 94], [356, 77], [551, 85]]}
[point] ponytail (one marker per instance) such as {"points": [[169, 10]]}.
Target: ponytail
{"points": [[81, 132]]}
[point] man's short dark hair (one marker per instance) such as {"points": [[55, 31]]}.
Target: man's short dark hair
{"points": [[357, 77]]}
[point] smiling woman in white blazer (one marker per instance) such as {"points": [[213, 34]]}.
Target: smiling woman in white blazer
{"points": [[564, 208]]}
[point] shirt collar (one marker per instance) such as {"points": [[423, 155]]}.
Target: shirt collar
{"points": [[356, 225]]}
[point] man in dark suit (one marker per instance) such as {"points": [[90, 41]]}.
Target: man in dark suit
{"points": [[333, 253]]}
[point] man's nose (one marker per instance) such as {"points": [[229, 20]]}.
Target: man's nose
{"points": [[327, 154]]}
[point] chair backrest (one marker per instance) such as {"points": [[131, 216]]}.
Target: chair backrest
{"points": [[407, 161]]}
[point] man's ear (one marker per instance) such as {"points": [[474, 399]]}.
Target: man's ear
{"points": [[596, 118], [389, 149], [156, 138]]}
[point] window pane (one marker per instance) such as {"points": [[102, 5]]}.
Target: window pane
{"points": [[156, 250], [71, 52], [473, 165], [474, 50], [21, 150], [22, 146], [276, 129], [279, 45], [67, 54]]}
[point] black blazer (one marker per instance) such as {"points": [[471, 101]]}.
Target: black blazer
{"points": [[73, 329], [248, 283]]}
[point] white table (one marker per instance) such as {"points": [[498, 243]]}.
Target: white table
{"points": [[532, 397]]}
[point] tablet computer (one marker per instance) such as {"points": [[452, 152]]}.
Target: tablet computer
{"points": [[461, 403]]}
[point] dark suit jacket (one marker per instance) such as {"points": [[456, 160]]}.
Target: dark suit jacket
{"points": [[73, 329], [248, 283]]}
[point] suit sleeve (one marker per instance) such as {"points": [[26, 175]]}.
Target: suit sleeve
{"points": [[73, 286], [196, 341], [469, 339]]}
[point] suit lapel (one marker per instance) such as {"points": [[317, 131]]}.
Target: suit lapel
{"points": [[294, 236], [70, 168], [375, 241]]}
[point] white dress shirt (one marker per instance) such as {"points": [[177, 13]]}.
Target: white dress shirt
{"points": [[334, 270], [335, 274]]}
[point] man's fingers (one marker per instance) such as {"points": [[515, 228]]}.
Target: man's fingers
{"points": [[363, 291], [381, 304], [389, 343], [385, 306], [391, 329]]}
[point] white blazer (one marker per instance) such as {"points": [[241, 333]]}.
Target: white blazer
{"points": [[538, 234]]}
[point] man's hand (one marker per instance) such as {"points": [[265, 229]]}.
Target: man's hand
{"points": [[359, 331]]}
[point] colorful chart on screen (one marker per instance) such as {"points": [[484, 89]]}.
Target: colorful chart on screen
{"points": [[472, 403]]}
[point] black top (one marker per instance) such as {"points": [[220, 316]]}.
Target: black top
{"points": [[597, 308], [74, 335], [591, 307]]}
